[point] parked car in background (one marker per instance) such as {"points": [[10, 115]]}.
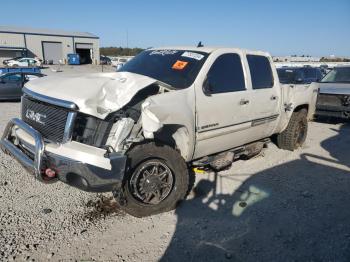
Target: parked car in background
{"points": [[118, 62], [25, 62], [299, 75], [11, 84], [104, 60], [5, 62], [325, 69], [334, 94]]}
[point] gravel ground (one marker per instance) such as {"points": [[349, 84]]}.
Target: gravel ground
{"points": [[279, 206]]}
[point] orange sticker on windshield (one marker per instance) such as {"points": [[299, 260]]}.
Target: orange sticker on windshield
{"points": [[179, 65]]}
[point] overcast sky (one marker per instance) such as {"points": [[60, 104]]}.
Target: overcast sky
{"points": [[285, 27]]}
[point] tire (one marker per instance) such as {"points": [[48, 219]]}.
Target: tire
{"points": [[295, 134], [151, 166]]}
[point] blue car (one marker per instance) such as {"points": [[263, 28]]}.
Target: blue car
{"points": [[11, 84]]}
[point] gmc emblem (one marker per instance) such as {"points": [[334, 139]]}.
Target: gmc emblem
{"points": [[37, 117]]}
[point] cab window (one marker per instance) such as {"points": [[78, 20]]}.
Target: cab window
{"points": [[226, 74], [260, 71]]}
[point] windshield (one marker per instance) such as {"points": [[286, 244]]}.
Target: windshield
{"points": [[286, 76], [309, 72], [177, 68], [338, 75]]}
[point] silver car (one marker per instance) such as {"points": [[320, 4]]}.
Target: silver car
{"points": [[334, 94]]}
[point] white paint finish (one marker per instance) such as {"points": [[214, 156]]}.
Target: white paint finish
{"points": [[72, 150], [231, 119], [93, 92], [175, 109], [102, 93]]}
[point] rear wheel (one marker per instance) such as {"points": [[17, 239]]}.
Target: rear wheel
{"points": [[295, 134], [156, 180]]}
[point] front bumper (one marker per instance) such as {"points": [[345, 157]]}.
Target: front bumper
{"points": [[333, 111], [36, 160]]}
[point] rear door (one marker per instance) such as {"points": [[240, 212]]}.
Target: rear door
{"points": [[266, 95], [11, 86]]}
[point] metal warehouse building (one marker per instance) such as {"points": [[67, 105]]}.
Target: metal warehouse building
{"points": [[49, 45]]}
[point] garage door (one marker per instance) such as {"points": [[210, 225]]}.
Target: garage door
{"points": [[52, 52]]}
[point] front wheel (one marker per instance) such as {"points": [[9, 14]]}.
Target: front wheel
{"points": [[156, 180], [295, 134]]}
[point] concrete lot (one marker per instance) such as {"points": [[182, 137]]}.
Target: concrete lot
{"points": [[279, 206]]}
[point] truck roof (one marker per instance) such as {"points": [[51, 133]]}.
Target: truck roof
{"points": [[209, 49]]}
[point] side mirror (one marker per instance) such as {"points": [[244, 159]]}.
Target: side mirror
{"points": [[207, 87]]}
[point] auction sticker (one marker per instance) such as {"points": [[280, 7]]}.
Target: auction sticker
{"points": [[193, 55], [179, 65]]}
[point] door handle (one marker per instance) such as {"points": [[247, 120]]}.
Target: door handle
{"points": [[244, 102], [274, 97]]}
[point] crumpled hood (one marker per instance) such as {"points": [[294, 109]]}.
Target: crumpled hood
{"points": [[335, 88], [95, 94]]}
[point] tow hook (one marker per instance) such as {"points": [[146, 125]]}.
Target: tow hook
{"points": [[50, 173]]}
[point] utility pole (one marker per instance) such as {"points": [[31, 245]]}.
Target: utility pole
{"points": [[127, 38]]}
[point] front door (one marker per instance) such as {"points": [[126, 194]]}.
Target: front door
{"points": [[11, 86], [223, 105]]}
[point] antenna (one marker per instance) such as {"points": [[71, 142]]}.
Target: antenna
{"points": [[200, 44]]}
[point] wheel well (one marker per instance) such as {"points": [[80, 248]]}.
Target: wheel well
{"points": [[175, 136], [301, 107]]}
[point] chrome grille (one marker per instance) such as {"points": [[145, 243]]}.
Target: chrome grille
{"points": [[48, 119]]}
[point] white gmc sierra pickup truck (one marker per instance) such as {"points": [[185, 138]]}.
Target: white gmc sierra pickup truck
{"points": [[139, 131]]}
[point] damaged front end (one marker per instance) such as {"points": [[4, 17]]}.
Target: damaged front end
{"points": [[57, 140]]}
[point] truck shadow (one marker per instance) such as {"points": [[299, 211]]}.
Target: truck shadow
{"points": [[297, 211], [338, 146]]}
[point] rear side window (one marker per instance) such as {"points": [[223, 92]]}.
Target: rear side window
{"points": [[226, 74], [260, 71]]}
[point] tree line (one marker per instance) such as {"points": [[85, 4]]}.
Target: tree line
{"points": [[120, 51], [334, 59]]}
